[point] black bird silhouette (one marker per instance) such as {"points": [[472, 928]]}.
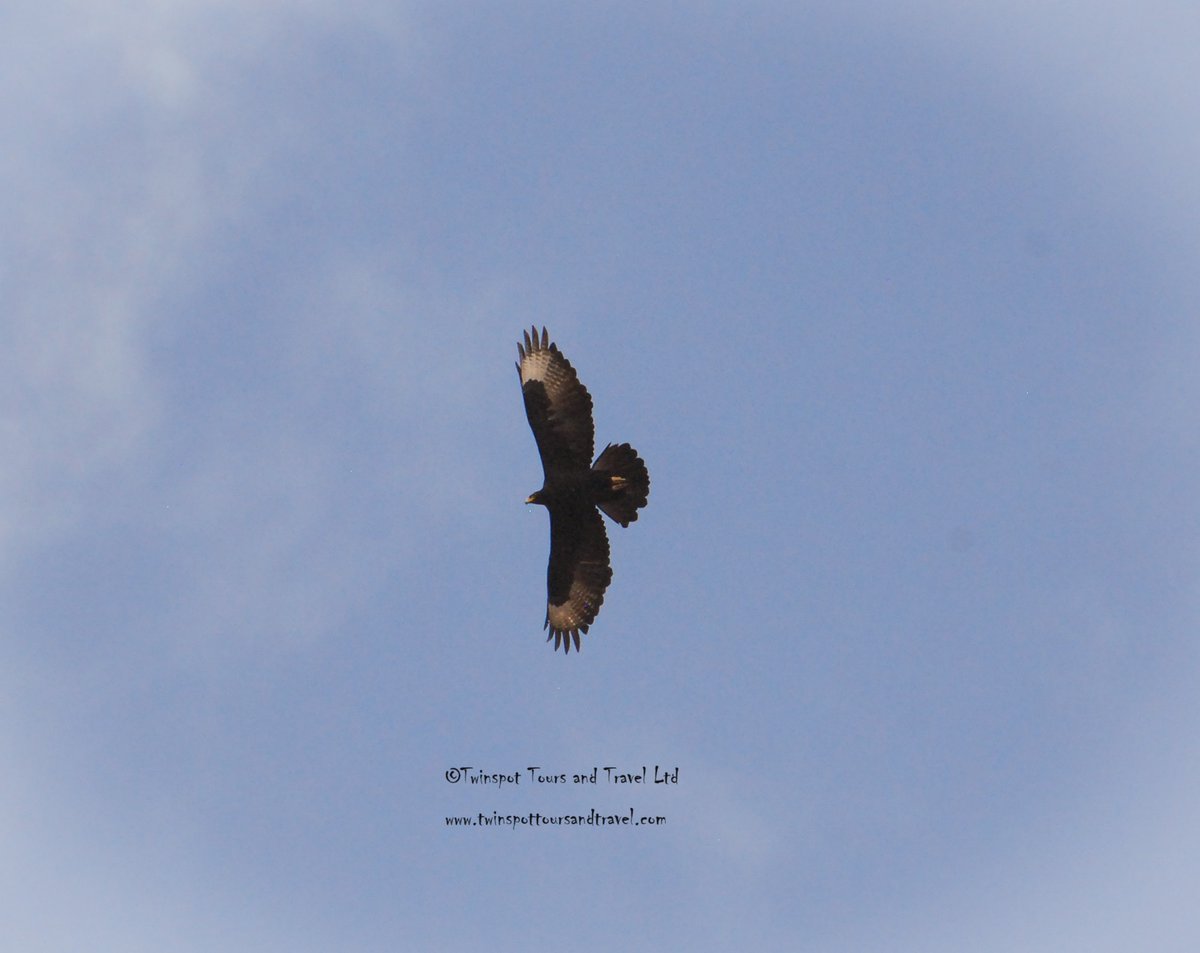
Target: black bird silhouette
{"points": [[559, 409]]}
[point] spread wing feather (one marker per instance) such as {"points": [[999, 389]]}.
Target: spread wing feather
{"points": [[578, 573], [558, 406]]}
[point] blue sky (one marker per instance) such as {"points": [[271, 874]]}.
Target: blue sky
{"points": [[898, 302]]}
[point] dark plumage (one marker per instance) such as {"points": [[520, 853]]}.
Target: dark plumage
{"points": [[559, 409]]}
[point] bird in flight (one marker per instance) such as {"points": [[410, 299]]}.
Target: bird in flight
{"points": [[559, 409]]}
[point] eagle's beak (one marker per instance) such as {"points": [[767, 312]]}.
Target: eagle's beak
{"points": [[529, 499]]}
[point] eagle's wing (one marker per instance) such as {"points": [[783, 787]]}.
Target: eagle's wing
{"points": [[578, 573], [559, 408]]}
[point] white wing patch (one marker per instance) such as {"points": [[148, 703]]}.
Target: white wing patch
{"points": [[535, 365]]}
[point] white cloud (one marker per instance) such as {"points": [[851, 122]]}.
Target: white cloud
{"points": [[124, 158]]}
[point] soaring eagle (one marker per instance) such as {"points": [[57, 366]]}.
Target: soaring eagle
{"points": [[559, 409]]}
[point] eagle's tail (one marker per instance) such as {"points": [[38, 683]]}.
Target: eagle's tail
{"points": [[626, 482]]}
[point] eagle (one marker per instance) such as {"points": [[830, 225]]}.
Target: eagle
{"points": [[559, 409]]}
